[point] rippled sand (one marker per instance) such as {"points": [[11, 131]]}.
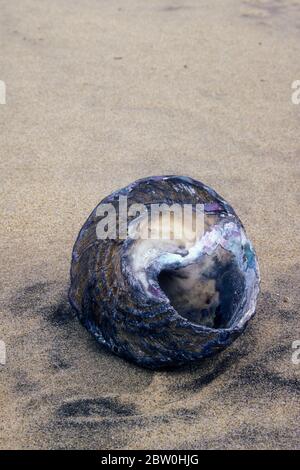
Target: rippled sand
{"points": [[101, 93]]}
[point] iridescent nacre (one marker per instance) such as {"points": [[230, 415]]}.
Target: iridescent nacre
{"points": [[166, 303]]}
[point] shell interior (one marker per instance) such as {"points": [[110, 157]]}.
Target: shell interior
{"points": [[206, 293]]}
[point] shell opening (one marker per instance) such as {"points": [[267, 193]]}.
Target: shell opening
{"points": [[201, 279], [207, 293]]}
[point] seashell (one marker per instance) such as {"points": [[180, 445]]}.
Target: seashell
{"points": [[164, 301]]}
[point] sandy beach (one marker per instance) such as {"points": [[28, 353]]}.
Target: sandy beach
{"points": [[99, 94]]}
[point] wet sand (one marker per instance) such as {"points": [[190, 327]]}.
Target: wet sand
{"points": [[100, 94]]}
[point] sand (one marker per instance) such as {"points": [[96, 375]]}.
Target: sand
{"points": [[99, 94]]}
